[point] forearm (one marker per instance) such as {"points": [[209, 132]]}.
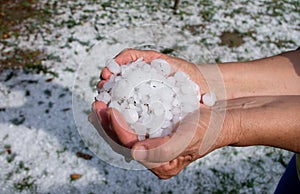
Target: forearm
{"points": [[270, 121], [277, 75]]}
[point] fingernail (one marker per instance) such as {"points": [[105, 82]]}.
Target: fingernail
{"points": [[140, 153], [100, 84]]}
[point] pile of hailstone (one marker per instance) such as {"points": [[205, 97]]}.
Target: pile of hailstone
{"points": [[151, 99]]}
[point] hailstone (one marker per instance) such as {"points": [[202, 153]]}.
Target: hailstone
{"points": [[209, 99], [151, 98]]}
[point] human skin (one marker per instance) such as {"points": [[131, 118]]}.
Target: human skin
{"points": [[262, 107], [276, 75]]}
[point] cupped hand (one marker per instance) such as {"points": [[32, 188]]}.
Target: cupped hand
{"points": [[165, 156]]}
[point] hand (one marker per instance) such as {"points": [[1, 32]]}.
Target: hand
{"points": [[243, 124], [177, 64], [167, 156], [105, 119], [164, 156], [113, 128]]}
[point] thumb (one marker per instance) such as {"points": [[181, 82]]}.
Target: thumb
{"points": [[155, 150], [164, 149], [125, 134]]}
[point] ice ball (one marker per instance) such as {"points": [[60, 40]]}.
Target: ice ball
{"points": [[151, 99], [209, 99]]}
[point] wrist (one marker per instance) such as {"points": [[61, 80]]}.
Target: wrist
{"points": [[236, 80], [231, 128], [210, 79], [223, 126]]}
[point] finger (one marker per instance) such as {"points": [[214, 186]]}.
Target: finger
{"points": [[125, 134], [163, 166], [105, 74], [100, 84], [98, 105], [169, 169], [100, 110], [167, 148], [92, 118], [120, 134], [101, 121], [154, 150], [95, 121], [129, 55], [125, 56]]}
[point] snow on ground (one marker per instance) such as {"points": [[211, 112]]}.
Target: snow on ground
{"points": [[39, 141]]}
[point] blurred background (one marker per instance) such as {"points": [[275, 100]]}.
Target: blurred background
{"points": [[46, 44]]}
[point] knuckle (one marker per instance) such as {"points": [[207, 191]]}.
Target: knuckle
{"points": [[167, 168], [127, 50]]}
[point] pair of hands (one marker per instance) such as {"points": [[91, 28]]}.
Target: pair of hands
{"points": [[166, 156]]}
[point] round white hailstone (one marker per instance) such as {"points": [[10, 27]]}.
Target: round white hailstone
{"points": [[166, 124], [115, 105], [187, 108], [186, 88], [157, 133], [181, 76], [130, 115], [124, 69], [168, 115], [195, 87], [157, 109], [123, 105], [171, 81], [166, 131], [140, 128], [175, 102], [137, 77], [151, 100], [161, 66], [146, 68], [141, 137], [176, 119], [189, 99], [121, 90], [104, 97], [145, 118], [154, 123], [113, 66], [143, 89], [209, 99], [167, 106], [176, 111], [132, 107], [166, 94], [108, 85]]}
